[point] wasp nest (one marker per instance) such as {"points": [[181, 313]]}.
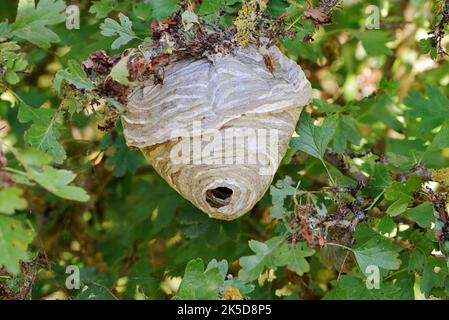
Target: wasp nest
{"points": [[217, 128]]}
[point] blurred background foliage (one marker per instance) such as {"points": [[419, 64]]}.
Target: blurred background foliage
{"points": [[384, 93]]}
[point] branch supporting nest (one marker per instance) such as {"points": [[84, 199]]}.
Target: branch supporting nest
{"points": [[438, 29]]}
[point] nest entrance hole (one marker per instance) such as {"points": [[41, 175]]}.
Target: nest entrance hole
{"points": [[219, 197]]}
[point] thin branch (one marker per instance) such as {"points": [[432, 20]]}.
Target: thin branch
{"points": [[340, 163]]}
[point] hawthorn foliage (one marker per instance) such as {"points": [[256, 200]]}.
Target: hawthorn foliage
{"points": [[365, 182]]}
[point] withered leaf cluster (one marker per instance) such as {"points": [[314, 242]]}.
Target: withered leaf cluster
{"points": [[173, 41]]}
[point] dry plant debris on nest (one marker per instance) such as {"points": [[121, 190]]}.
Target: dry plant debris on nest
{"points": [[183, 35], [188, 35]]}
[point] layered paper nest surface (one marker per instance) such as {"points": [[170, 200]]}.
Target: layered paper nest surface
{"points": [[217, 129]]}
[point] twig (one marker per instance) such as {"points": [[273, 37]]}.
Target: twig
{"points": [[339, 162]]}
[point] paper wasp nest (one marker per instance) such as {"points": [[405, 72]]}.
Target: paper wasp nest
{"points": [[217, 130]]}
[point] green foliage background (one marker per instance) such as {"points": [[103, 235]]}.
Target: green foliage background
{"points": [[71, 194]]}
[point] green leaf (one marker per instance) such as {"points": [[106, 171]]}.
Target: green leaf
{"points": [[434, 274], [398, 207], [196, 226], [386, 224], [371, 248], [327, 107], [46, 138], [431, 110], [12, 61], [37, 115], [212, 6], [427, 47], [11, 77], [14, 241], [345, 133], [123, 30], [380, 108], [56, 181], [366, 237], [143, 10], [416, 261], [266, 255], [314, 140], [123, 159], [11, 200], [94, 285], [401, 194], [400, 161], [399, 190], [271, 254], [279, 193], [120, 72], [294, 257], [44, 131], [141, 278], [244, 287], [374, 41], [349, 287], [33, 158], [5, 31], [163, 8], [380, 179], [252, 266], [375, 256], [422, 214], [74, 75], [406, 283], [440, 140], [32, 21], [389, 86], [198, 283], [101, 8], [222, 266], [166, 205]]}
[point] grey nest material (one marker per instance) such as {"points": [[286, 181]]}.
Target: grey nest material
{"points": [[221, 94]]}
